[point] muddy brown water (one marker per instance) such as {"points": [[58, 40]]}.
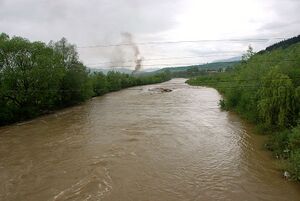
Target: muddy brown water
{"points": [[140, 145]]}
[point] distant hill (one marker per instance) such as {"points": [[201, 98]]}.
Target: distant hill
{"points": [[208, 66], [122, 70], [106, 70], [237, 58], [191, 71]]}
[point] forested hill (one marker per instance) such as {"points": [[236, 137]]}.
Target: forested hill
{"points": [[283, 44], [265, 89], [208, 66], [201, 69]]}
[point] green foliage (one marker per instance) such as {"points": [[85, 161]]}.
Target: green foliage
{"points": [[222, 104], [248, 54], [279, 144], [294, 146], [99, 83], [26, 86], [276, 104], [265, 89], [294, 138], [294, 165], [36, 78], [283, 44], [286, 145]]}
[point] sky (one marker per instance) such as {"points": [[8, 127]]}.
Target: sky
{"points": [[184, 32]]}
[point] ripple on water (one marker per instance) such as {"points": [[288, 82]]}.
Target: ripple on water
{"points": [[94, 186]]}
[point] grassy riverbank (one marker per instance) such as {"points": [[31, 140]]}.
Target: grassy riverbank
{"points": [[265, 89], [37, 78]]}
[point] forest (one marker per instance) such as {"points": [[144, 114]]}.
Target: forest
{"points": [[38, 78], [265, 89]]}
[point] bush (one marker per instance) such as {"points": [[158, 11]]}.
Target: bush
{"points": [[279, 144], [294, 165]]}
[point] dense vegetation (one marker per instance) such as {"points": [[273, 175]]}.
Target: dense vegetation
{"points": [[37, 78], [265, 89]]}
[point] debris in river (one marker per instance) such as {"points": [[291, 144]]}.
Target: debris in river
{"points": [[286, 175], [160, 90]]}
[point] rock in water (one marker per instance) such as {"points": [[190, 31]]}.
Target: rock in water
{"points": [[161, 90]]}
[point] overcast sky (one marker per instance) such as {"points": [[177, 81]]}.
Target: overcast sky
{"points": [[101, 22]]}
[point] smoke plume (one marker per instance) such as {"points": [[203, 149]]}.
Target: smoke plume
{"points": [[120, 51]]}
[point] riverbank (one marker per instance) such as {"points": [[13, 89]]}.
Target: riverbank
{"points": [[264, 88], [38, 78], [283, 143], [142, 81]]}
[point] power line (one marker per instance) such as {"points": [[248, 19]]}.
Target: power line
{"points": [[169, 58], [230, 53], [189, 64], [158, 65], [256, 40]]}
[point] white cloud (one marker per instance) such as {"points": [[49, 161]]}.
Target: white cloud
{"points": [[101, 22]]}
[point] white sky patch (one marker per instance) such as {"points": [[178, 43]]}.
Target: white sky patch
{"points": [[101, 22]]}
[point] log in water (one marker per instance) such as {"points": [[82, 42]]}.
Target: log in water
{"points": [[140, 145]]}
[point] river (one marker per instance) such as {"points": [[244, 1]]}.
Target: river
{"points": [[139, 144]]}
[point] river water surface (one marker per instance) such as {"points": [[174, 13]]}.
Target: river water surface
{"points": [[140, 145]]}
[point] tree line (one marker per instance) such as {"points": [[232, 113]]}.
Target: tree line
{"points": [[265, 89], [198, 70], [37, 78]]}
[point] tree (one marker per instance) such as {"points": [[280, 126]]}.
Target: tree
{"points": [[276, 105], [99, 82], [30, 76], [248, 54], [75, 86], [36, 78]]}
